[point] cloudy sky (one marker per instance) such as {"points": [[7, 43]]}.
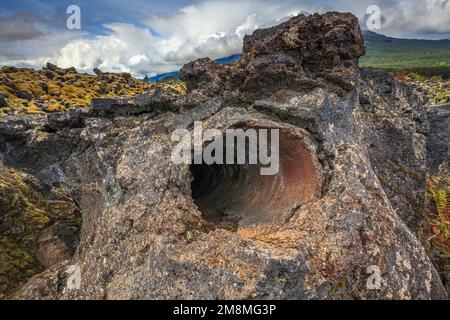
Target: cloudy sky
{"points": [[151, 37]]}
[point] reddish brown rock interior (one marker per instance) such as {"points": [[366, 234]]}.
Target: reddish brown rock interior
{"points": [[231, 195]]}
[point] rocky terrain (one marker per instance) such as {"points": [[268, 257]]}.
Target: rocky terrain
{"points": [[438, 90], [53, 89], [357, 149]]}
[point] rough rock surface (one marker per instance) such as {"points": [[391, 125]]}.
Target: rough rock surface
{"points": [[301, 54], [351, 186], [3, 103], [39, 226], [438, 149]]}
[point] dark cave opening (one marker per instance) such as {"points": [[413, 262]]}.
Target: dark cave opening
{"points": [[231, 194]]}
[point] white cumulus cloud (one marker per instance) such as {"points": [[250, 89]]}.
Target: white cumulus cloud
{"points": [[416, 18], [207, 28]]}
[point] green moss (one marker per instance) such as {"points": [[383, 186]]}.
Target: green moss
{"points": [[16, 263], [437, 89], [68, 91], [24, 213]]}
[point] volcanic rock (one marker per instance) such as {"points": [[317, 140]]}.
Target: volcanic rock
{"points": [[3, 103], [318, 51], [354, 160]]}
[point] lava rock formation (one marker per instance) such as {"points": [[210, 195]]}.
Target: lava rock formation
{"points": [[356, 148]]}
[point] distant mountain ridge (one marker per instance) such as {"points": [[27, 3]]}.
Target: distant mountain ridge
{"points": [[383, 52], [373, 37]]}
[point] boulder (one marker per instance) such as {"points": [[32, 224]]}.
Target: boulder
{"points": [[97, 71], [9, 69], [302, 54], [3, 103], [51, 67], [24, 95], [70, 70]]}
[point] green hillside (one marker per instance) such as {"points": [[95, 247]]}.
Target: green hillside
{"points": [[427, 57]]}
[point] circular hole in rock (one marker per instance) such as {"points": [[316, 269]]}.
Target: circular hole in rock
{"points": [[232, 195]]}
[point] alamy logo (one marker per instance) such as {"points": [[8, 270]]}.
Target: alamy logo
{"points": [[73, 22], [250, 146], [73, 278], [373, 21], [374, 280]]}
